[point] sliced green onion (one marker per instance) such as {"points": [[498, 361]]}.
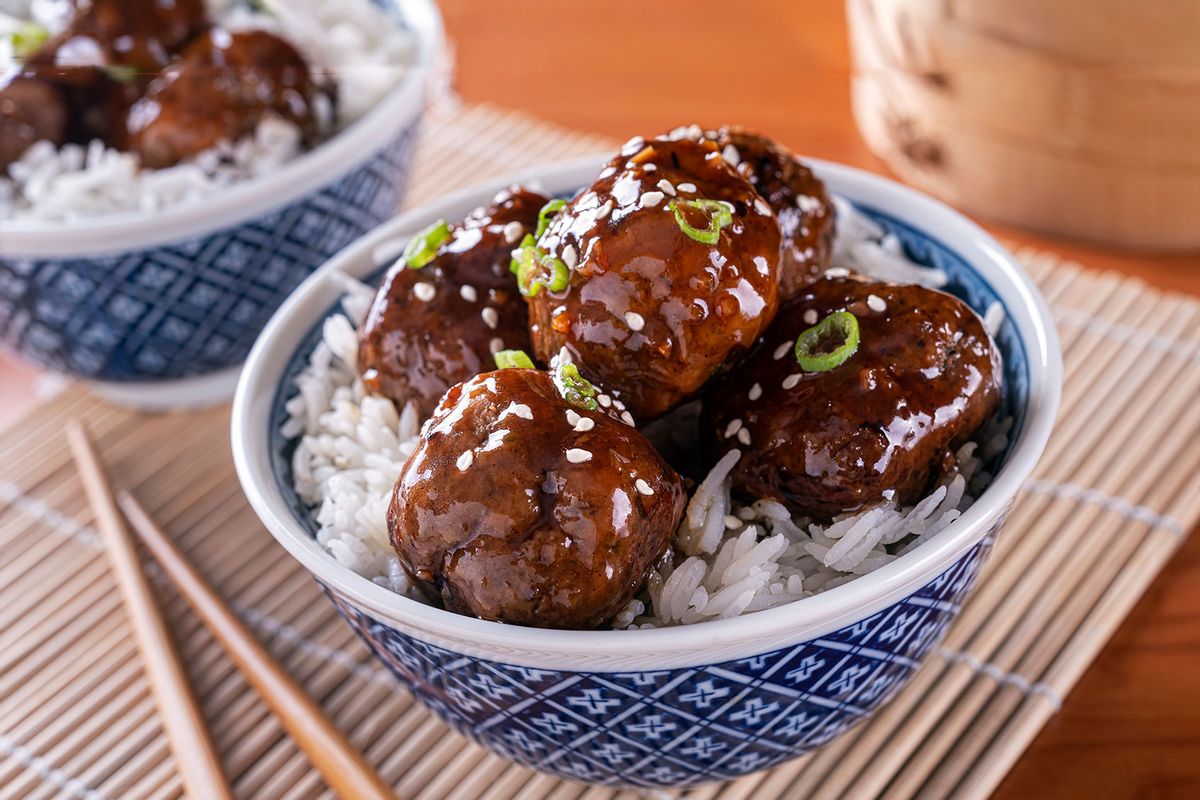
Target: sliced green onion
{"points": [[575, 388], [422, 247], [27, 38], [513, 359], [536, 269], [548, 211], [719, 215], [121, 73], [828, 344]]}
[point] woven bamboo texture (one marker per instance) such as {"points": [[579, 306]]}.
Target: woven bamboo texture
{"points": [[1113, 498]]}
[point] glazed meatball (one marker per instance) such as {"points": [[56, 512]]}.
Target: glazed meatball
{"points": [[31, 110], [439, 325], [881, 425], [669, 267], [522, 507], [221, 88], [798, 197]]}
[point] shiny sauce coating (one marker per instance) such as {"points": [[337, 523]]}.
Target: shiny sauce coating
{"points": [[879, 427], [519, 507], [650, 312]]}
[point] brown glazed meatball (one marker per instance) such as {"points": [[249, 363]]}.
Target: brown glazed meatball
{"points": [[882, 425], [223, 86], [806, 214], [31, 110], [649, 311], [520, 507], [413, 346]]}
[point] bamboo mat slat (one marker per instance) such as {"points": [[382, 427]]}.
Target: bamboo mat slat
{"points": [[1116, 493]]}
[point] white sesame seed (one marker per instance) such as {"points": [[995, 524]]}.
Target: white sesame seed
{"points": [[570, 257], [732, 523], [643, 487], [876, 303], [810, 317], [781, 351], [604, 210], [837, 272], [666, 186], [518, 410], [755, 391], [490, 317], [762, 208], [618, 405], [577, 456], [585, 424], [733, 427], [634, 320], [464, 460], [791, 380], [627, 418], [513, 232], [744, 436], [731, 154], [495, 345], [468, 293], [650, 199], [633, 145], [686, 187], [424, 291], [650, 168], [604, 400], [573, 418]]}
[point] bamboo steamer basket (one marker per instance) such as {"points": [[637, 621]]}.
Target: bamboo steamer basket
{"points": [[1088, 139]]}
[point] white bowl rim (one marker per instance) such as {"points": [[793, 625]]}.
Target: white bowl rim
{"points": [[685, 645], [246, 200]]}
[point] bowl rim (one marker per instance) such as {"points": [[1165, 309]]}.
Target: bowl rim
{"points": [[249, 199], [684, 645]]}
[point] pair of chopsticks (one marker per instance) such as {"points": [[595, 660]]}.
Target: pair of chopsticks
{"points": [[343, 767]]}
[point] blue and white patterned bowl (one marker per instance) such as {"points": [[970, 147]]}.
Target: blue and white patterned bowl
{"points": [[151, 301], [691, 704]]}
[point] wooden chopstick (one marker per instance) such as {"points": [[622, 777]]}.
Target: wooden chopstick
{"points": [[338, 761], [197, 759]]}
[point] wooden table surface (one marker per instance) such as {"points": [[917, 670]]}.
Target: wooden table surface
{"points": [[1131, 728]]}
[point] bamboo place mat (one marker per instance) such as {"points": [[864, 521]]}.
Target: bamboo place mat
{"points": [[1114, 496]]}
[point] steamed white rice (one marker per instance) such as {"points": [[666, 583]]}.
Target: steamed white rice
{"points": [[728, 558], [354, 44]]}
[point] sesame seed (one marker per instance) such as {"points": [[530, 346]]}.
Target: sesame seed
{"points": [[686, 187], [791, 380], [577, 456], [618, 405], [876, 303], [761, 207], [518, 410], [585, 424], [627, 418], [732, 523], [733, 427], [744, 436], [513, 232], [573, 418], [731, 154], [650, 168], [604, 400], [490, 317], [570, 257], [755, 391], [468, 293], [633, 145], [643, 487], [837, 272], [666, 186], [495, 345], [634, 320], [650, 199], [464, 460], [424, 291], [810, 317], [604, 210], [781, 351]]}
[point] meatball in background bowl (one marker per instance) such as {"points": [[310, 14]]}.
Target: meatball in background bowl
{"points": [[693, 703], [159, 309]]}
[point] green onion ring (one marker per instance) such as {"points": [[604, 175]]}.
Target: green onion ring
{"points": [[422, 247], [548, 211], [536, 269], [513, 359], [719, 215], [574, 388], [839, 326]]}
